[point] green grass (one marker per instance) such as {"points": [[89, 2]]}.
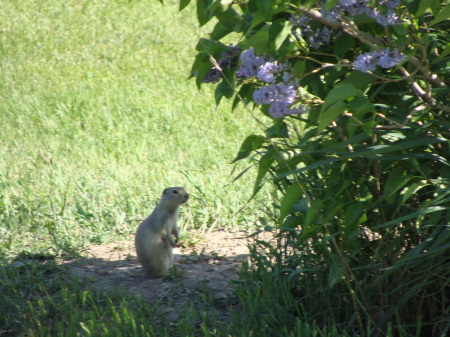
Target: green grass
{"points": [[97, 117], [39, 298]]}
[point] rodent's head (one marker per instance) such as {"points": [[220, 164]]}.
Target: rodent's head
{"points": [[176, 193]]}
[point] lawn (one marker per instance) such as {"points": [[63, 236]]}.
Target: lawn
{"points": [[98, 115]]}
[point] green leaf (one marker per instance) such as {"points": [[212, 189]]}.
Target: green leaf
{"points": [[291, 197], [226, 86], [330, 4], [224, 89], [203, 15], [278, 32], [413, 5], [401, 29], [379, 152], [216, 6], [278, 130], [444, 14], [343, 43], [245, 92], [359, 80], [360, 106], [334, 104], [333, 209], [251, 143], [410, 190], [335, 272], [313, 212], [231, 19], [369, 126], [210, 46], [394, 182], [265, 8], [445, 52], [330, 113], [351, 218], [292, 222], [264, 166], [200, 68], [183, 4], [259, 41], [340, 93], [219, 31]]}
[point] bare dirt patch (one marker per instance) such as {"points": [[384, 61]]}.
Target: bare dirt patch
{"points": [[204, 268]]}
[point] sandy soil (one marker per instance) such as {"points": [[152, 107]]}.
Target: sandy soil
{"points": [[207, 267]]}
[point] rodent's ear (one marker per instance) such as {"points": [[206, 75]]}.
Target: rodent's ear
{"points": [[165, 191]]}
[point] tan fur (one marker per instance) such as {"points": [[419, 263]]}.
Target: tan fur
{"points": [[154, 239]]}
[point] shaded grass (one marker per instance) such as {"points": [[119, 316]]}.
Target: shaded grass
{"points": [[98, 117], [40, 298]]}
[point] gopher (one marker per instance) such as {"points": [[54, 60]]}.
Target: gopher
{"points": [[154, 241]]}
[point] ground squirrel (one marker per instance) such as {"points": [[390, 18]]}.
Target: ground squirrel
{"points": [[154, 239]]}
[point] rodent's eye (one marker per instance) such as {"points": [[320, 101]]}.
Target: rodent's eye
{"points": [[175, 192]]}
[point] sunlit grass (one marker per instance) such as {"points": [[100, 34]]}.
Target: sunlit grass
{"points": [[98, 116]]}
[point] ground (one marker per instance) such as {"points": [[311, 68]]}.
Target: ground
{"points": [[204, 268]]}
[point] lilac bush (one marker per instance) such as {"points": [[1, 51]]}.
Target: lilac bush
{"points": [[358, 148]]}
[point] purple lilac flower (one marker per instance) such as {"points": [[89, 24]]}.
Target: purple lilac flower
{"points": [[286, 77], [348, 3], [333, 15], [365, 62], [278, 109], [316, 37], [391, 4], [300, 20], [281, 109], [268, 71], [384, 58], [390, 18], [250, 63], [280, 97], [357, 7], [280, 92], [389, 59], [320, 37], [383, 13], [264, 95], [353, 7]]}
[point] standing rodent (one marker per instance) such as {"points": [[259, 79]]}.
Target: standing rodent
{"points": [[154, 239]]}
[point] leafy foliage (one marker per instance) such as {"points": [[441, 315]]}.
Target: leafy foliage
{"points": [[362, 168]]}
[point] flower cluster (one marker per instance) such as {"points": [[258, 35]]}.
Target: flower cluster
{"points": [[228, 58], [281, 93], [383, 13], [250, 64], [280, 96], [316, 38], [384, 58]]}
